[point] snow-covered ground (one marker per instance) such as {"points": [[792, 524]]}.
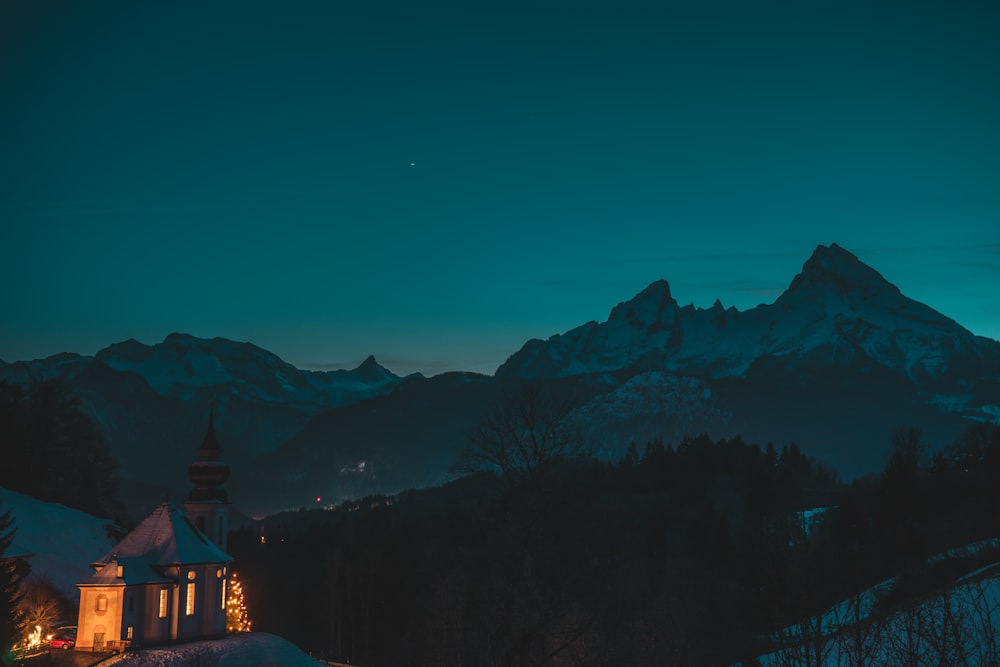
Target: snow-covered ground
{"points": [[62, 542], [253, 649], [960, 625]]}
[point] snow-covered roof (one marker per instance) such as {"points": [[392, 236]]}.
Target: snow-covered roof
{"points": [[166, 537]]}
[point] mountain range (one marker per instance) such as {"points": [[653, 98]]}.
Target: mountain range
{"points": [[152, 402], [835, 364], [837, 311]]}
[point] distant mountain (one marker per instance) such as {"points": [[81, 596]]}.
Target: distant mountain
{"points": [[836, 311], [835, 364], [186, 367], [151, 401]]}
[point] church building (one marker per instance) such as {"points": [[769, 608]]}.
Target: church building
{"points": [[166, 580]]}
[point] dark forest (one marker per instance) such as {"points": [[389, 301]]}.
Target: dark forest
{"points": [[695, 554]]}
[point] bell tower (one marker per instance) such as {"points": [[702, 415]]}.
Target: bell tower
{"points": [[207, 505]]}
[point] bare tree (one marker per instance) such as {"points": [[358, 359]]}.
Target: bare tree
{"points": [[906, 636], [41, 606], [947, 632], [514, 614], [807, 644], [525, 438], [981, 617], [861, 637]]}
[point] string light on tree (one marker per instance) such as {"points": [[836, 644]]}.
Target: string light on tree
{"points": [[236, 610], [32, 639]]}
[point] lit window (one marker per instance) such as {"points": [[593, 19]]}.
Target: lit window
{"points": [[163, 603], [189, 602], [218, 573], [129, 632], [102, 603], [223, 593], [121, 571], [190, 575]]}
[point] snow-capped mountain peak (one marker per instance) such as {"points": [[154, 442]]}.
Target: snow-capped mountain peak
{"points": [[832, 266], [837, 310], [160, 393], [183, 362], [372, 372], [653, 308]]}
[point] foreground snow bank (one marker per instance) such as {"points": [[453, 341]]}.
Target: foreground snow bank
{"points": [[252, 649]]}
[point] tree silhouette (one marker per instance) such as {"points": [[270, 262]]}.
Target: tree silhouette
{"points": [[42, 605], [525, 438], [53, 451], [12, 570]]}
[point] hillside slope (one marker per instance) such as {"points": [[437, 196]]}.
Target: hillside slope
{"points": [[61, 542]]}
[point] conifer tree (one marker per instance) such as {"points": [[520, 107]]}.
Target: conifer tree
{"points": [[236, 609], [11, 573]]}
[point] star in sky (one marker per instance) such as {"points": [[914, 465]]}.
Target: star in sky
{"points": [[228, 173]]}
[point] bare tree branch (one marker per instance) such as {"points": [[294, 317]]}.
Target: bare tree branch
{"points": [[527, 435]]}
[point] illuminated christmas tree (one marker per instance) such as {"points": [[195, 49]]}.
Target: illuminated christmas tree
{"points": [[236, 609]]}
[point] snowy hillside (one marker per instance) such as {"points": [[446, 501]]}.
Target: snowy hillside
{"points": [[959, 625], [63, 542]]}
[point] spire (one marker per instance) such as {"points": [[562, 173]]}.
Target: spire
{"points": [[210, 447], [209, 472]]}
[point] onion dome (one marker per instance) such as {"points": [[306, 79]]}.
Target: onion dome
{"points": [[209, 472]]}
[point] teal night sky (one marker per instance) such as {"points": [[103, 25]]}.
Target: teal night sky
{"points": [[436, 183]]}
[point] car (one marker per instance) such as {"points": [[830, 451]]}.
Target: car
{"points": [[65, 643], [63, 638]]}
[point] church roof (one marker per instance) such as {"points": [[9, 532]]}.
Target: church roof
{"points": [[134, 571], [166, 537]]}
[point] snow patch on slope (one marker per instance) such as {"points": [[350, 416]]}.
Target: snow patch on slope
{"points": [[62, 542], [651, 406]]}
